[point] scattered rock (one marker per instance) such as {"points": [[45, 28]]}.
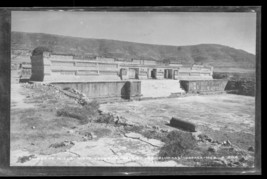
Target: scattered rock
{"points": [[231, 149], [218, 163], [215, 142], [221, 162], [70, 131], [212, 149], [251, 149], [118, 118], [237, 163], [66, 142], [226, 143], [148, 126], [209, 139], [242, 159], [164, 130], [133, 135], [93, 135], [117, 121], [155, 127], [233, 164], [155, 142], [25, 158], [88, 136], [130, 124], [61, 144], [204, 138], [196, 135]]}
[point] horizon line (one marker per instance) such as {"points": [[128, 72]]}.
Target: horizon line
{"points": [[134, 41]]}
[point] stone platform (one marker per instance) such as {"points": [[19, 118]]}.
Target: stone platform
{"points": [[204, 86], [160, 88]]}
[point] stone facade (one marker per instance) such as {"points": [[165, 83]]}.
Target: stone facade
{"points": [[49, 67], [109, 78]]}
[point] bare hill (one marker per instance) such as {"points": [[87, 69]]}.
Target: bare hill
{"points": [[213, 54]]}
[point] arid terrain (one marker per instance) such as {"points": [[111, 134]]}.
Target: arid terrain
{"points": [[51, 128]]}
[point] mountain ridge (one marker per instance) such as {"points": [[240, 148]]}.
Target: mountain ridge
{"points": [[208, 54]]}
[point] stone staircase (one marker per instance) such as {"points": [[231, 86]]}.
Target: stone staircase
{"points": [[161, 88]]}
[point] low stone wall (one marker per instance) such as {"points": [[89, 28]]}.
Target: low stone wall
{"points": [[199, 86], [105, 89]]}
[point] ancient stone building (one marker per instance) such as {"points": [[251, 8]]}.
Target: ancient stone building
{"points": [[109, 77], [47, 66]]}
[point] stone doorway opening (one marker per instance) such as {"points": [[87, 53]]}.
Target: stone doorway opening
{"points": [[154, 73], [133, 73], [168, 73]]}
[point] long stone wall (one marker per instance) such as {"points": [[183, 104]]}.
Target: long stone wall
{"points": [[49, 67], [202, 86], [105, 89]]}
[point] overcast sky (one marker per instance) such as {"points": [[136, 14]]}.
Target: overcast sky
{"points": [[236, 30]]}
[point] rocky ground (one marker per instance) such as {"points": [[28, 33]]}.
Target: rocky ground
{"points": [[48, 128]]}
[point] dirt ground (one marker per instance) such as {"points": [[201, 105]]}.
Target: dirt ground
{"points": [[224, 117], [225, 131]]}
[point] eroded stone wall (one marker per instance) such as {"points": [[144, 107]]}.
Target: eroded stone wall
{"points": [[105, 89], [51, 68], [195, 72], [198, 86]]}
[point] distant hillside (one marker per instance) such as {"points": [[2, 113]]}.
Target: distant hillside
{"points": [[212, 54]]}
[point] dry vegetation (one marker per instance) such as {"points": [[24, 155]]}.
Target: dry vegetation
{"points": [[177, 144], [57, 121], [239, 83]]}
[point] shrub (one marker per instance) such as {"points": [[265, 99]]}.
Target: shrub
{"points": [[25, 158], [153, 134], [85, 114], [74, 112], [177, 144], [92, 107], [242, 87], [105, 118]]}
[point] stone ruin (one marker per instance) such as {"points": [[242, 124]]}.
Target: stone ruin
{"points": [[109, 77]]}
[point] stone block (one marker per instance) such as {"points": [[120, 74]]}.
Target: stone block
{"points": [[182, 124]]}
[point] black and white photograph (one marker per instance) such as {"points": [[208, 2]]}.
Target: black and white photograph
{"points": [[132, 89]]}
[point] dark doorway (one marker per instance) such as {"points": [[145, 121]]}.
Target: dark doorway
{"points": [[168, 73], [153, 73]]}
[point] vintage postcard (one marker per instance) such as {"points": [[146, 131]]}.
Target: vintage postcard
{"points": [[133, 89]]}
